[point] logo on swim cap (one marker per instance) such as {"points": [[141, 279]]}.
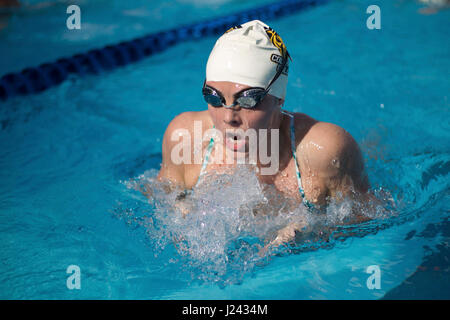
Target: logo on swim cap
{"points": [[276, 40], [279, 60], [273, 36], [233, 28]]}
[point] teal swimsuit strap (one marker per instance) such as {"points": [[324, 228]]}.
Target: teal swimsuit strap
{"points": [[299, 179], [207, 155], [297, 171]]}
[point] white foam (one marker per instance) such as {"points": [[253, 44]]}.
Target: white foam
{"points": [[221, 226]]}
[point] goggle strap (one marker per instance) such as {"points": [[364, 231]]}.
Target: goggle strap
{"points": [[279, 71]]}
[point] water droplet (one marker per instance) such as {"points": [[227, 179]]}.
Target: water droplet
{"points": [[335, 162]]}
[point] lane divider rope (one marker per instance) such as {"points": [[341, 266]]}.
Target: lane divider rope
{"points": [[37, 79]]}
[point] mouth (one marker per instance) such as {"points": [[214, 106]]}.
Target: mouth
{"points": [[235, 141]]}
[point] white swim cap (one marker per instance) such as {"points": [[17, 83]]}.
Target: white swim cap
{"points": [[249, 54]]}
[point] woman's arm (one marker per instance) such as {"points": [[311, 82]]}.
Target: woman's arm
{"points": [[171, 168], [336, 163]]}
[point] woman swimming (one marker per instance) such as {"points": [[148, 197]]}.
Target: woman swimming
{"points": [[245, 88]]}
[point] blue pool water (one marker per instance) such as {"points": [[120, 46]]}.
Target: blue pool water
{"points": [[71, 156]]}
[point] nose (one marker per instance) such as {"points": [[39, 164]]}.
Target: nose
{"points": [[231, 116]]}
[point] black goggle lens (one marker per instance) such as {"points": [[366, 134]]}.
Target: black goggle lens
{"points": [[248, 98], [213, 99]]}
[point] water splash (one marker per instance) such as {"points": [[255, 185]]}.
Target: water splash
{"points": [[221, 227]]}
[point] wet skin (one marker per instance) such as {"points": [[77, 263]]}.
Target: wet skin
{"points": [[329, 159]]}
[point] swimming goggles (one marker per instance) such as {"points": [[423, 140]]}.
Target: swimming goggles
{"points": [[247, 98]]}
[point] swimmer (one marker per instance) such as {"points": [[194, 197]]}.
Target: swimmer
{"points": [[245, 88]]}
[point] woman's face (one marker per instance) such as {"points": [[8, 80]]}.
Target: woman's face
{"points": [[266, 115]]}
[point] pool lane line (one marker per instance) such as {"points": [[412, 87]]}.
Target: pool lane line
{"points": [[37, 79]]}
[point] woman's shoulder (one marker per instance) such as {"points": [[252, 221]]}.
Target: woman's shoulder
{"points": [[302, 119], [187, 120], [308, 128], [322, 142], [302, 125]]}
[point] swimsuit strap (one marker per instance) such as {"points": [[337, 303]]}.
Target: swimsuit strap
{"points": [[207, 155], [297, 171], [299, 179]]}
